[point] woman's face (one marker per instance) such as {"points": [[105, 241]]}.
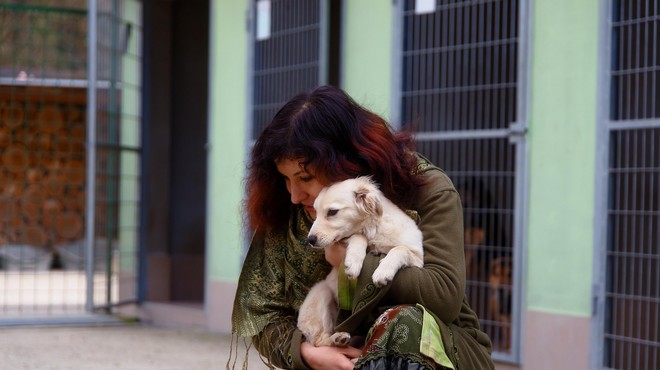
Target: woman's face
{"points": [[302, 185]]}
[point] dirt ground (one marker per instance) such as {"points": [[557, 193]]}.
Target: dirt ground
{"points": [[126, 346]]}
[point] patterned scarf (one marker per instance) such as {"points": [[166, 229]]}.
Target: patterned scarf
{"points": [[279, 270]]}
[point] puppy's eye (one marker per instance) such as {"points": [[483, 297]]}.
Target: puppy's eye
{"points": [[332, 212]]}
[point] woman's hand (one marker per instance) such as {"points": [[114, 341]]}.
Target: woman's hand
{"points": [[335, 254], [326, 357]]}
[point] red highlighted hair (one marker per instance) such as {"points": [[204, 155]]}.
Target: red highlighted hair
{"points": [[331, 133]]}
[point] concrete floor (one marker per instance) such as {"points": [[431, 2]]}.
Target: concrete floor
{"points": [[125, 346]]}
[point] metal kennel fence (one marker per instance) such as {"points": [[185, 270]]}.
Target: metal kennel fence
{"points": [[627, 252], [69, 148]]}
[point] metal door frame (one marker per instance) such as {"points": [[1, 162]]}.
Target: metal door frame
{"points": [[601, 186], [92, 24]]}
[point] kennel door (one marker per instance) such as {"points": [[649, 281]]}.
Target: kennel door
{"points": [[461, 80], [627, 216]]}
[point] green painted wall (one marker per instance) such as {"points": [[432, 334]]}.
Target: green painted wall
{"points": [[367, 53], [129, 179], [564, 46], [228, 101]]}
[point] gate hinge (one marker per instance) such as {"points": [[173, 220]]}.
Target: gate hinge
{"points": [[516, 130]]}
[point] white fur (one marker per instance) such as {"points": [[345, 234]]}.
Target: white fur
{"points": [[318, 314], [356, 212]]}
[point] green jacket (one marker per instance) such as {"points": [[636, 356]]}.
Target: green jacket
{"points": [[439, 286]]}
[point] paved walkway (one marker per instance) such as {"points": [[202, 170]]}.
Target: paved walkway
{"points": [[125, 346]]}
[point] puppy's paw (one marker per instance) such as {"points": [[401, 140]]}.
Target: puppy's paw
{"points": [[340, 339], [353, 267], [382, 276]]}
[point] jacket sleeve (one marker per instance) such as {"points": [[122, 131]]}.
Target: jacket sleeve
{"points": [[440, 284], [280, 344]]}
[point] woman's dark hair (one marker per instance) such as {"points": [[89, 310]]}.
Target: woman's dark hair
{"points": [[331, 133]]}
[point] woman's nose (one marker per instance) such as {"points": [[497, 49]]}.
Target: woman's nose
{"points": [[297, 194]]}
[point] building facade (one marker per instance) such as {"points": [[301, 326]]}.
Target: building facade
{"points": [[545, 114]]}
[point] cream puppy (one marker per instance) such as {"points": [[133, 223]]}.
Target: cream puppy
{"points": [[357, 213]]}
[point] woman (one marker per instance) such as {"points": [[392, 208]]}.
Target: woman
{"points": [[318, 138]]}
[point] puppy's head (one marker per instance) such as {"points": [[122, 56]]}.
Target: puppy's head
{"points": [[343, 209]]}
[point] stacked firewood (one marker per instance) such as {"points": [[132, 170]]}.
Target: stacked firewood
{"points": [[42, 165]]}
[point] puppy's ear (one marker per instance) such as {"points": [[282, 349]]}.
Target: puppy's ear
{"points": [[366, 199]]}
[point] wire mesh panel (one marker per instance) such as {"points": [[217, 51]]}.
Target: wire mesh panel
{"points": [[632, 329], [460, 91], [42, 126], [460, 65], [117, 134], [44, 154], [632, 267], [288, 54]]}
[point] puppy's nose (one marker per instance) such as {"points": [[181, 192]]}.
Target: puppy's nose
{"points": [[312, 239]]}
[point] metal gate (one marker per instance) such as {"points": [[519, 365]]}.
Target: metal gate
{"points": [[114, 161], [627, 272], [288, 54], [63, 252], [463, 87]]}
